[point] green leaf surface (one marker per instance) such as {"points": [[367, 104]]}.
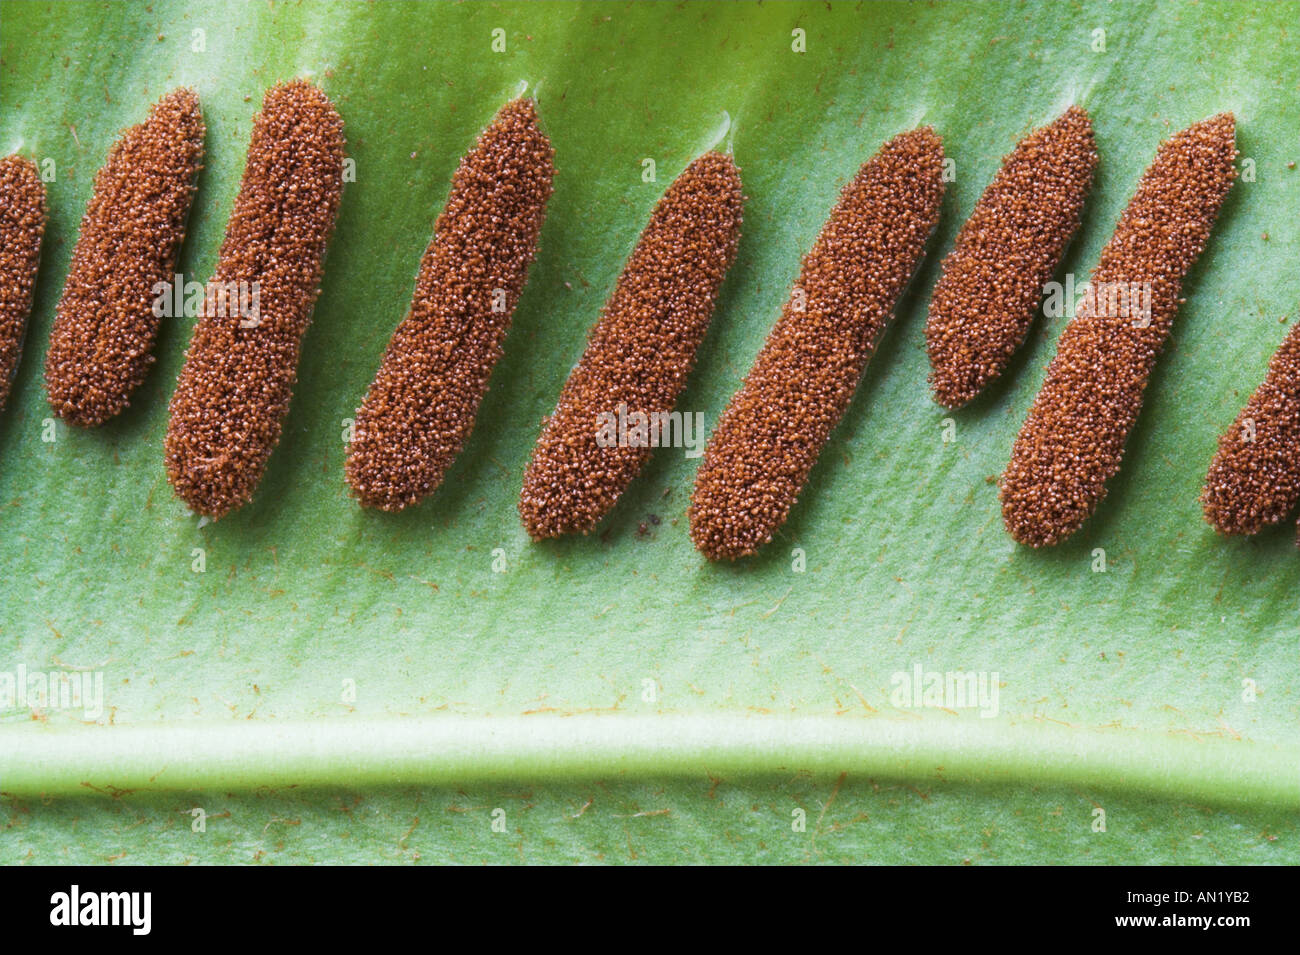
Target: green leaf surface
{"points": [[1121, 690]]}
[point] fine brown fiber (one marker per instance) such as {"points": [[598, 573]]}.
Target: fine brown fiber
{"points": [[234, 389], [105, 327], [22, 223], [640, 351], [774, 429], [1254, 479], [420, 409], [992, 281], [1072, 441]]}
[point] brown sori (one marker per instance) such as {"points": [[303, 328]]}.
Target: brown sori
{"points": [[1254, 479], [421, 407], [772, 432], [106, 324], [239, 372], [992, 281], [1072, 441], [22, 223], [639, 353]]}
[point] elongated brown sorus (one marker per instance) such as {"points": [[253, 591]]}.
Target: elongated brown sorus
{"points": [[640, 352], [22, 224], [1072, 441], [1254, 479], [106, 323], [1007, 251], [420, 409], [234, 389], [772, 432]]}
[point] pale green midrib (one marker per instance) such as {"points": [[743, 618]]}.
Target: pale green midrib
{"points": [[39, 759]]}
